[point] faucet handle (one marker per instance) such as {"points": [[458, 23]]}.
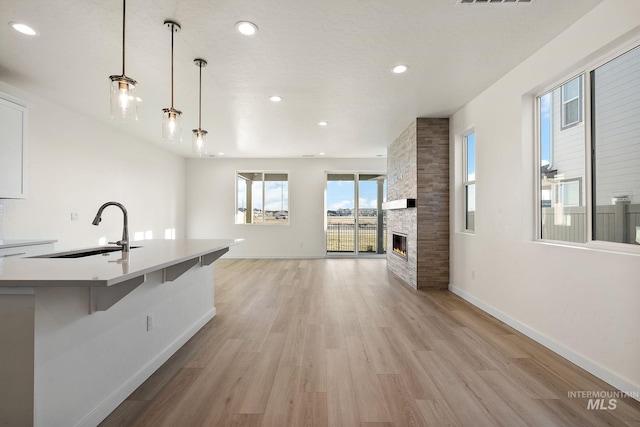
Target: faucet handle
{"points": [[119, 242]]}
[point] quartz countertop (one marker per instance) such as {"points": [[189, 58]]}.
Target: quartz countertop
{"points": [[106, 269], [14, 243]]}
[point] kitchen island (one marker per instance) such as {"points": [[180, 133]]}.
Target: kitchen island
{"points": [[80, 334]]}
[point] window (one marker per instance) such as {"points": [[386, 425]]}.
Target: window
{"points": [[615, 135], [469, 181], [262, 198], [613, 123], [569, 192], [572, 102], [562, 165]]}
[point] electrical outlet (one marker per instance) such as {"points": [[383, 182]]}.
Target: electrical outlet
{"points": [[149, 322], [74, 216], [473, 274]]}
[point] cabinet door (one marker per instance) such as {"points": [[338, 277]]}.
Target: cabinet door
{"points": [[13, 119], [26, 251]]}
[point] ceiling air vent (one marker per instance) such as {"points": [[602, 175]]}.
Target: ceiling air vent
{"points": [[494, 1]]}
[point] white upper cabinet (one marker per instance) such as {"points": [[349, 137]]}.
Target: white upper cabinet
{"points": [[13, 129]]}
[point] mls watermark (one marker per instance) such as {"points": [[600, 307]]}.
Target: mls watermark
{"points": [[603, 400]]}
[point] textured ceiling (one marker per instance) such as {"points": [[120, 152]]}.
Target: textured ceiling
{"points": [[329, 60]]}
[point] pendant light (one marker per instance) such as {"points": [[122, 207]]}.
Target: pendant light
{"points": [[200, 135], [124, 103], [171, 128]]}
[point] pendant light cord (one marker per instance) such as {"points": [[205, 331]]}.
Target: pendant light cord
{"points": [[172, 31], [124, 13], [200, 99]]}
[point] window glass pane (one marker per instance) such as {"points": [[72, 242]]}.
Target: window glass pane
{"points": [[616, 139], [241, 198], [572, 112], [262, 197], [471, 157], [571, 89], [469, 181], [370, 225], [256, 199], [568, 193], [470, 202], [572, 102], [276, 198], [340, 213], [545, 130], [562, 168]]}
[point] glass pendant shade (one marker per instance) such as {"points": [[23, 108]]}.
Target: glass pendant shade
{"points": [[124, 102], [199, 138], [171, 126], [199, 142]]}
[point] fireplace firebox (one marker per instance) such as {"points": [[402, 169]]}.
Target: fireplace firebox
{"points": [[400, 245]]}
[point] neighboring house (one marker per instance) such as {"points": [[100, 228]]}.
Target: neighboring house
{"points": [[614, 129]]}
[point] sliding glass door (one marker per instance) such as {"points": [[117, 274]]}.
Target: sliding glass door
{"points": [[355, 222]]}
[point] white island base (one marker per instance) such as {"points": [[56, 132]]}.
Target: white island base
{"points": [[64, 364]]}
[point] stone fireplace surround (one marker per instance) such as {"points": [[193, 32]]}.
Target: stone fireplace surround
{"points": [[418, 168]]}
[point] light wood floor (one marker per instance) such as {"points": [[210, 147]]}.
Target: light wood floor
{"points": [[340, 342]]}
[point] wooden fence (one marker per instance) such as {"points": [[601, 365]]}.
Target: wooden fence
{"points": [[612, 223]]}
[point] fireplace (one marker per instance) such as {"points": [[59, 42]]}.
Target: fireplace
{"points": [[400, 245]]}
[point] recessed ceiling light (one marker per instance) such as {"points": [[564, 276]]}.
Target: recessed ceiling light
{"points": [[247, 28], [23, 28], [220, 154], [323, 123], [275, 98], [321, 154], [399, 69]]}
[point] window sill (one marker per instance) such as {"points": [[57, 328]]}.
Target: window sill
{"points": [[596, 245]]}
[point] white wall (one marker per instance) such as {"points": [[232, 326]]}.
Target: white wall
{"points": [[211, 204], [582, 303], [75, 164]]}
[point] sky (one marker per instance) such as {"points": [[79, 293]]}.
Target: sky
{"points": [[340, 194], [471, 156], [545, 128], [276, 195], [471, 171]]}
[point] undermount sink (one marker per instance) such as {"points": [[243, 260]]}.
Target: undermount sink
{"points": [[80, 253]]}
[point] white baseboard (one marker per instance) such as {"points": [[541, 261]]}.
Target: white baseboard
{"points": [[103, 410], [272, 257], [586, 364]]}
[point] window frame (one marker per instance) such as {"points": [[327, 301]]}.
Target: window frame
{"points": [[559, 194], [555, 184], [240, 174], [588, 182], [466, 182], [579, 99]]}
